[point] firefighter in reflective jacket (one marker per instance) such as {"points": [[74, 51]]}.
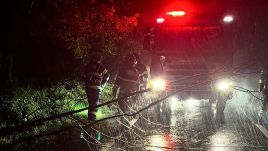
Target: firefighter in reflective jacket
{"points": [[143, 73], [95, 77], [127, 79]]}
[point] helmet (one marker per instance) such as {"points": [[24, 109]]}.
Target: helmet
{"points": [[130, 60], [162, 58], [137, 56]]}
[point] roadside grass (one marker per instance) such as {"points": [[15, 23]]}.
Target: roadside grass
{"points": [[28, 104]]}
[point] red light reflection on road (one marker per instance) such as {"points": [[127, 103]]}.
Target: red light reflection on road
{"points": [[165, 142]]}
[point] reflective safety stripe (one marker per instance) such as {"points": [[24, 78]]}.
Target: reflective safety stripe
{"points": [[144, 73], [105, 71], [94, 86]]}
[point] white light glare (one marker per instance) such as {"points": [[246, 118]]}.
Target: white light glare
{"points": [[191, 104], [173, 99], [160, 20], [158, 141], [224, 85], [158, 84], [228, 19], [174, 102]]}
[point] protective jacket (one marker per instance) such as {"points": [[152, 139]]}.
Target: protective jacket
{"points": [[128, 79], [143, 73], [96, 75]]}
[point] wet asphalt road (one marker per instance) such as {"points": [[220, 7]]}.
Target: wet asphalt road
{"points": [[193, 127]]}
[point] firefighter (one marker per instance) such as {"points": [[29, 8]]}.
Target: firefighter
{"points": [[222, 98], [264, 89], [127, 79], [96, 75], [157, 66], [143, 73]]}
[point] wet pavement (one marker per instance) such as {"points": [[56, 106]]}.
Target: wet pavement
{"points": [[201, 130], [193, 126]]}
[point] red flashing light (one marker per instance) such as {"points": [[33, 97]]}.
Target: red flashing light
{"points": [[176, 13], [160, 20]]}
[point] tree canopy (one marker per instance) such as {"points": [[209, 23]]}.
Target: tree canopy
{"points": [[49, 40]]}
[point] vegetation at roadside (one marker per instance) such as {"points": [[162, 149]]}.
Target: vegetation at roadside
{"points": [[28, 104], [49, 41]]}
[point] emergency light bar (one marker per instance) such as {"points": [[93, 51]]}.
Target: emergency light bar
{"points": [[176, 13]]}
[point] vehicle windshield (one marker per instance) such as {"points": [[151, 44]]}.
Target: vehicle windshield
{"points": [[194, 42]]}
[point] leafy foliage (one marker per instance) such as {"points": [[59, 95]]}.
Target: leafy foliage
{"points": [[29, 104], [90, 26], [52, 42]]}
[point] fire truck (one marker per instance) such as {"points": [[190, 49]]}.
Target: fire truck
{"points": [[191, 48]]}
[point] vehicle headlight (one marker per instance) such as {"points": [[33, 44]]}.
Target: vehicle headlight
{"points": [[158, 84], [224, 85]]}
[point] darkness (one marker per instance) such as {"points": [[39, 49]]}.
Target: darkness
{"points": [[32, 53]]}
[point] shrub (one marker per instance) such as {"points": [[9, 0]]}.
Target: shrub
{"points": [[29, 104]]}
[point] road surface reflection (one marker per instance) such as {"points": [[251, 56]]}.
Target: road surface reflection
{"points": [[223, 141], [163, 142]]}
